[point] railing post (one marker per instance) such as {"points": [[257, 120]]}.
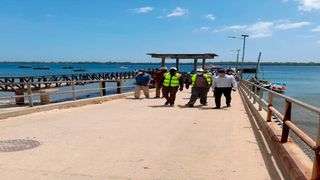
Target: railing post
{"points": [[102, 88], [74, 91], [20, 98], [316, 163], [260, 99], [250, 91], [119, 87], [30, 98], [255, 94], [270, 104], [287, 117], [247, 87]]}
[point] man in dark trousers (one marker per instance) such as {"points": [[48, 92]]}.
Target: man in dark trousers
{"points": [[171, 82], [223, 84], [157, 80], [200, 84]]}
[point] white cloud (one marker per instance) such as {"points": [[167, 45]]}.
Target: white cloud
{"points": [[309, 5], [178, 12], [263, 29], [260, 29], [257, 30], [204, 28], [316, 29], [287, 25], [210, 17], [144, 9], [236, 27]]}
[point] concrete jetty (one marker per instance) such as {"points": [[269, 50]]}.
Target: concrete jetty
{"points": [[137, 139]]}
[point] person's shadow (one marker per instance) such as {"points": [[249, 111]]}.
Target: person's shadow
{"points": [[160, 106]]}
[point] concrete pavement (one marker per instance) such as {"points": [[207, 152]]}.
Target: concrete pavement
{"points": [[135, 139]]}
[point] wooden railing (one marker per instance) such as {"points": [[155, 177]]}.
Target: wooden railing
{"points": [[15, 83], [30, 93], [256, 93]]}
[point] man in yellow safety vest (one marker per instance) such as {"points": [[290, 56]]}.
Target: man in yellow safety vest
{"points": [[171, 82], [200, 84]]}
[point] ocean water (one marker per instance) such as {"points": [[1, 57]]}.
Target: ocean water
{"points": [[303, 83]]}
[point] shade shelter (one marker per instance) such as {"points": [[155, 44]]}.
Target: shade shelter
{"points": [[177, 57]]}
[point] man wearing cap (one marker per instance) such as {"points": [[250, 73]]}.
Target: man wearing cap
{"points": [[157, 80], [223, 84], [200, 84], [171, 82], [142, 81]]}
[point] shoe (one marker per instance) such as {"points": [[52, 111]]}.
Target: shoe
{"points": [[171, 105], [228, 105], [166, 103], [216, 108], [189, 105], [206, 104], [156, 97]]}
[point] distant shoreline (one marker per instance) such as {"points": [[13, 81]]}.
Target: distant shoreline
{"points": [[158, 63]]}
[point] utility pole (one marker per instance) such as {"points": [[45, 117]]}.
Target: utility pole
{"points": [[238, 50], [243, 51]]}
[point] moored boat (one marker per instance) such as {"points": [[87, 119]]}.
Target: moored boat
{"points": [[278, 87], [41, 68], [123, 67], [79, 70], [67, 67], [24, 66]]}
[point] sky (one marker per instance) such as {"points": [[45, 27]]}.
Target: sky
{"points": [[124, 30]]}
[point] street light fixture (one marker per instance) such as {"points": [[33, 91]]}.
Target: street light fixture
{"points": [[243, 37]]}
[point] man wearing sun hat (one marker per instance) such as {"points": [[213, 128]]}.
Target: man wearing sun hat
{"points": [[200, 84]]}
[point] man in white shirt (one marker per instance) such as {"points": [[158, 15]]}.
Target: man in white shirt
{"points": [[223, 84]]}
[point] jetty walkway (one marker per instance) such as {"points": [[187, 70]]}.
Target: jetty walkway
{"points": [[138, 139]]}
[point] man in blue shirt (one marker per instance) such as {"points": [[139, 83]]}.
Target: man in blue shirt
{"points": [[142, 81]]}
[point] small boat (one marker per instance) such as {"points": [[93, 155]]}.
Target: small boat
{"points": [[261, 82], [123, 67], [67, 67], [24, 67], [41, 68], [278, 87], [265, 84], [79, 70], [256, 80]]}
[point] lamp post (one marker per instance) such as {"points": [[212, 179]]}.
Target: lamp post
{"points": [[243, 37], [243, 51], [238, 53]]}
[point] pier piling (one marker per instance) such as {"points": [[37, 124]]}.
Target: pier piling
{"points": [[20, 96]]}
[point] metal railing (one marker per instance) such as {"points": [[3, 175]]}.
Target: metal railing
{"points": [[29, 92], [256, 93]]}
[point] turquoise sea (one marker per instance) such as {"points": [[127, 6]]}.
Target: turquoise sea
{"points": [[303, 83]]}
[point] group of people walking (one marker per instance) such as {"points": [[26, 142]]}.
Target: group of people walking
{"points": [[170, 82]]}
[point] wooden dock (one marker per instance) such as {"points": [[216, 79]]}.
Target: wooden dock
{"points": [[129, 138], [138, 139]]}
